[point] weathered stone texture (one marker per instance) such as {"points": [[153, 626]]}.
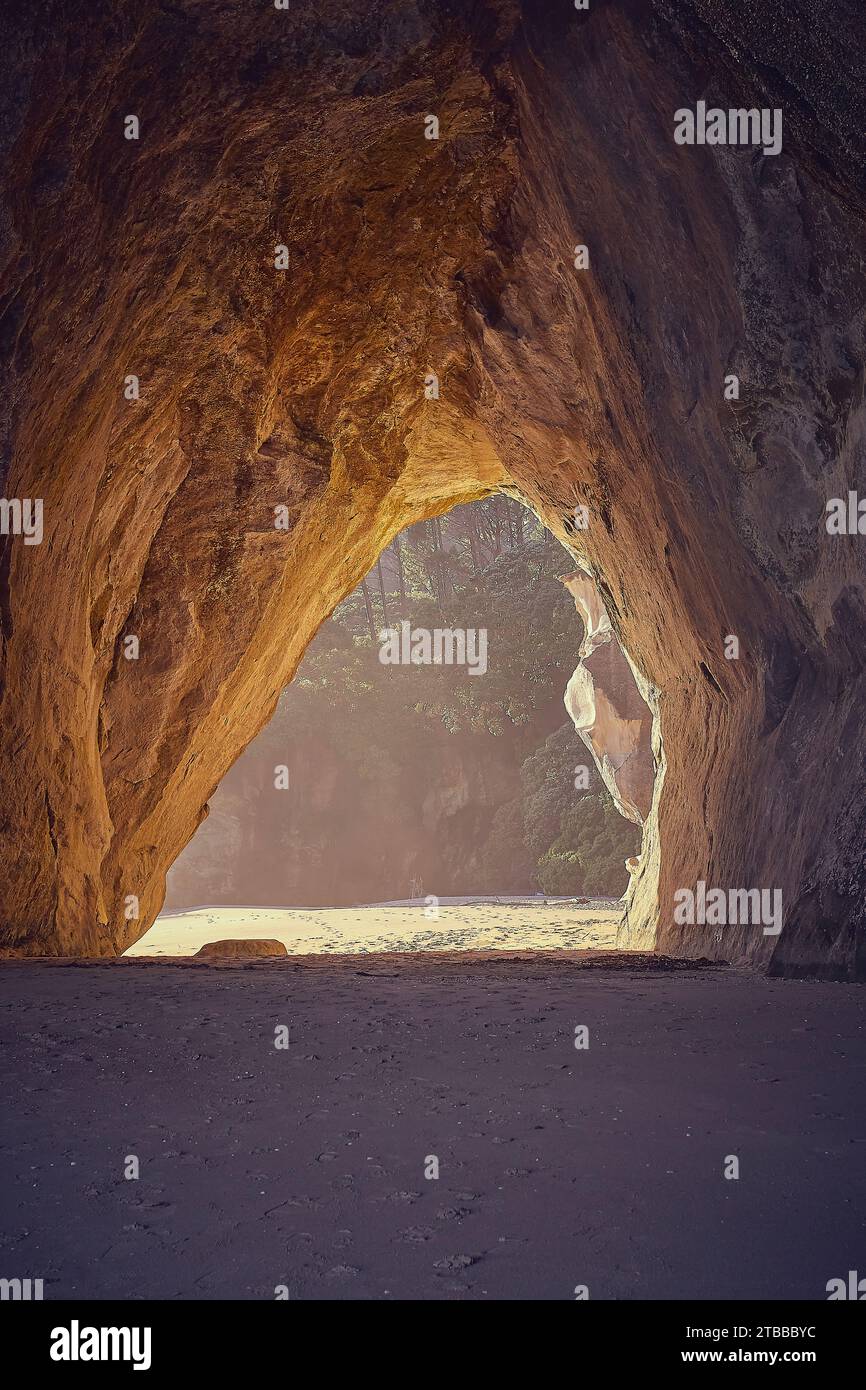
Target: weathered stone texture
{"points": [[600, 387]]}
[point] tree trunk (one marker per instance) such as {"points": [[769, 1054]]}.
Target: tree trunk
{"points": [[368, 605], [434, 569], [440, 559], [382, 590], [398, 551], [472, 530]]}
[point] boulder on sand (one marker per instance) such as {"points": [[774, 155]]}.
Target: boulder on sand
{"points": [[237, 947]]}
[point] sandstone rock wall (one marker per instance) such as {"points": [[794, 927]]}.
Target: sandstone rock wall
{"points": [[615, 720], [303, 388]]}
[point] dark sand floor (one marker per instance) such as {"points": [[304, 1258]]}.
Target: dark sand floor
{"points": [[305, 1167]]}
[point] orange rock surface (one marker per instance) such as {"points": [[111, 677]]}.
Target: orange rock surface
{"points": [[304, 390]]}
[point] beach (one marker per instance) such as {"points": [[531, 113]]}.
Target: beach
{"points": [[458, 925]]}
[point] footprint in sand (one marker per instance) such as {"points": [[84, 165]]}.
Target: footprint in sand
{"points": [[417, 1234], [451, 1263]]}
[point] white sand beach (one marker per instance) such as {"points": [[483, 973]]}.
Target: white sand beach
{"points": [[461, 925]]}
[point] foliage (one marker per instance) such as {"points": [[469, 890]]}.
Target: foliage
{"points": [[578, 840], [401, 719]]}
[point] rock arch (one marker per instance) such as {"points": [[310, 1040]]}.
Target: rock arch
{"points": [[304, 388]]}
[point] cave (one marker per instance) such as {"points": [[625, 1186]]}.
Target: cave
{"points": [[282, 314], [278, 281]]}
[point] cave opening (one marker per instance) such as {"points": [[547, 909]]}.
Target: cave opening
{"points": [[465, 759]]}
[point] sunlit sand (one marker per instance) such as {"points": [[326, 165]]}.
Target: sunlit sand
{"points": [[460, 926]]}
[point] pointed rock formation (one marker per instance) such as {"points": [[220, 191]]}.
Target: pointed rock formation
{"points": [[606, 707]]}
